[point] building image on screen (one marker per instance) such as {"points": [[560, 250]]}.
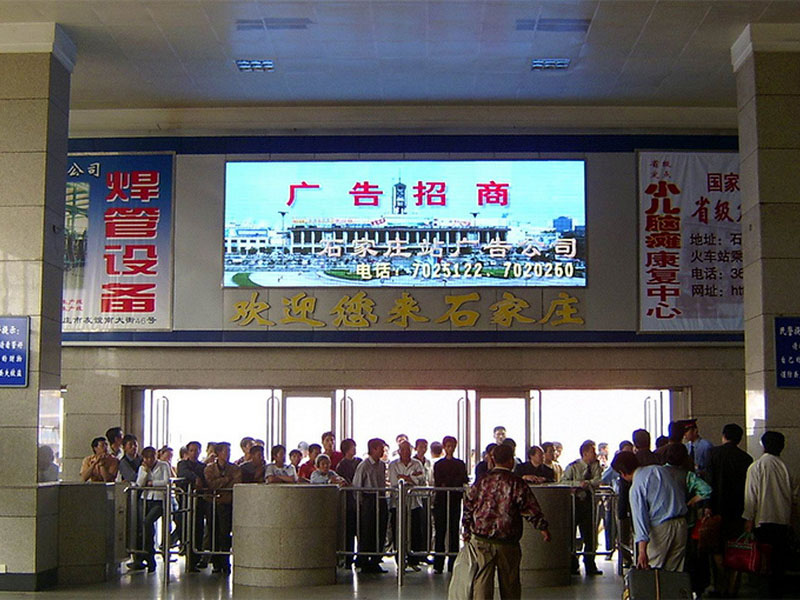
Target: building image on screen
{"points": [[405, 223]]}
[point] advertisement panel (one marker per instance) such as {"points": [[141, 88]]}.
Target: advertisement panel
{"points": [[690, 242], [405, 224], [118, 242]]}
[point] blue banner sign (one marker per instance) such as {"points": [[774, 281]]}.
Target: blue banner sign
{"points": [[787, 351], [118, 247], [14, 343]]}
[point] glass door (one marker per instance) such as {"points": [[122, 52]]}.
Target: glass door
{"points": [[306, 416], [418, 414], [503, 416]]}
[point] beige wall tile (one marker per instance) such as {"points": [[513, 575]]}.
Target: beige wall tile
{"points": [[18, 455], [20, 406], [18, 551], [18, 501], [198, 241], [780, 279], [23, 125], [20, 282], [778, 179], [774, 113], [777, 72], [23, 239], [21, 178], [25, 76]]}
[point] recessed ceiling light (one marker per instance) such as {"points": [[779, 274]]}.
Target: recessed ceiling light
{"points": [[563, 25], [249, 25], [287, 22], [260, 65], [533, 24], [541, 64]]}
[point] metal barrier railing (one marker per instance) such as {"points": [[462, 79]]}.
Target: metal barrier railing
{"points": [[413, 533], [145, 506], [597, 498], [205, 507], [424, 523]]}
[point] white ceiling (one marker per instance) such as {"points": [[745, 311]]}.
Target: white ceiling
{"points": [[166, 54]]}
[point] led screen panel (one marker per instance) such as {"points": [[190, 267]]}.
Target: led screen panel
{"points": [[405, 223]]}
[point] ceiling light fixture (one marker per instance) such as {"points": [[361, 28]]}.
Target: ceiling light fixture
{"points": [[260, 65], [542, 64]]}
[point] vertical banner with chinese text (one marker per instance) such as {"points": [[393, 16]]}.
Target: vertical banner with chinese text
{"points": [[690, 242], [118, 242]]}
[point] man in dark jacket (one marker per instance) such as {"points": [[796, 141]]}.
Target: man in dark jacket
{"points": [[191, 471], [727, 472]]}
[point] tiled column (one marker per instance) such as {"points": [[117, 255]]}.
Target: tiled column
{"points": [[35, 64], [766, 59]]}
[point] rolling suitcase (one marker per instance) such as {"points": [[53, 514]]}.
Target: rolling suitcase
{"points": [[656, 584]]}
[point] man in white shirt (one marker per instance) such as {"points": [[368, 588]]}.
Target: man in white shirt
{"points": [[411, 471], [153, 473], [420, 448], [768, 506]]}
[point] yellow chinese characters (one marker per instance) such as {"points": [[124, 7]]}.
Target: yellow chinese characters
{"points": [[457, 316], [354, 312], [248, 311], [405, 308], [508, 309], [359, 311], [299, 308], [565, 308]]}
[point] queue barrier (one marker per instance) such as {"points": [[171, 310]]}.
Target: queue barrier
{"points": [[183, 504]]}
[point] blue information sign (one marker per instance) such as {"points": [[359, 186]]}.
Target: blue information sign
{"points": [[14, 336], [787, 351]]}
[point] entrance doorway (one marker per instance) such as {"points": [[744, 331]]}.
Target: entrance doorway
{"points": [[176, 416]]}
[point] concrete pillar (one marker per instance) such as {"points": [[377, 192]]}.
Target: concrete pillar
{"points": [[36, 60], [766, 60], [285, 535]]}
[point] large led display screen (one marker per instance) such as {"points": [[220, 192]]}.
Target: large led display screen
{"points": [[409, 223]]}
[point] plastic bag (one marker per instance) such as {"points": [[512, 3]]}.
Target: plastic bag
{"points": [[464, 569]]}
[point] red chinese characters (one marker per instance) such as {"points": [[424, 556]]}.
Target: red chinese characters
{"points": [[128, 297], [431, 193], [366, 194], [137, 185], [663, 236], [131, 250], [132, 223], [300, 186], [136, 259], [492, 193]]}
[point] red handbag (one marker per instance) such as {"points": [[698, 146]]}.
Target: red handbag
{"points": [[706, 532], [747, 555]]}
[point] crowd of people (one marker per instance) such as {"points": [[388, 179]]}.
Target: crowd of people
{"points": [[662, 496]]}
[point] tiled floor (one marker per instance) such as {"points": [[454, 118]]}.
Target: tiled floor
{"points": [[207, 586], [422, 585]]}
